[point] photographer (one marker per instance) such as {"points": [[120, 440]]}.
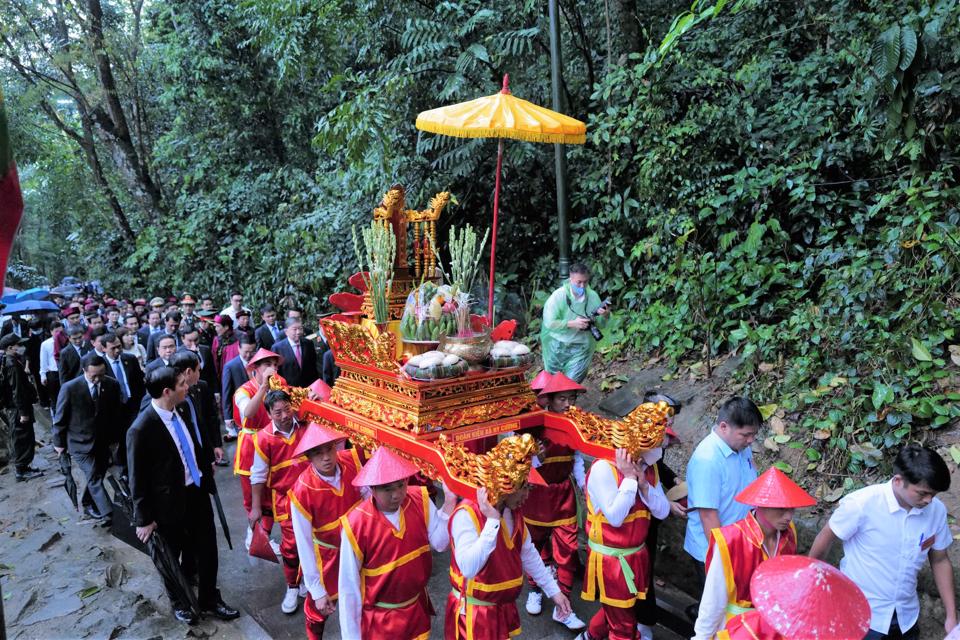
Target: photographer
{"points": [[572, 319]]}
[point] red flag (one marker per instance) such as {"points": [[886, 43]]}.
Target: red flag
{"points": [[11, 200]]}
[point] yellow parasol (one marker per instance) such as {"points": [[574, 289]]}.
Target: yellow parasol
{"points": [[502, 115]]}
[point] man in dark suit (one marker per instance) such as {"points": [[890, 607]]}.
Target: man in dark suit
{"points": [[125, 369], [234, 375], [153, 325], [70, 355], [87, 410], [200, 404], [299, 366], [166, 346], [171, 479], [171, 327], [190, 341], [268, 332]]}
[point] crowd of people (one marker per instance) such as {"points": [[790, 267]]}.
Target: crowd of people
{"points": [[153, 391]]}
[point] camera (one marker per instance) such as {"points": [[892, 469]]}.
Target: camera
{"points": [[592, 327]]}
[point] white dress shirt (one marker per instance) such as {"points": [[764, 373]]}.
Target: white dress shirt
{"points": [[472, 549], [167, 418], [884, 547], [47, 362], [350, 602]]}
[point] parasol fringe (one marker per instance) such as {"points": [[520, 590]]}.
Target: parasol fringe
{"points": [[527, 136]]}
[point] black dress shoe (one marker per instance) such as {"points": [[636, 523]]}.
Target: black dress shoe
{"points": [[185, 615], [222, 611], [28, 474]]}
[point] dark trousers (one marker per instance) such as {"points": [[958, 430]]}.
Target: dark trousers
{"points": [[646, 609], [94, 466], [894, 633], [126, 416], [52, 387], [195, 539], [20, 439]]}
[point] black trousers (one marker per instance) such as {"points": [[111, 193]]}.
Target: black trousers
{"points": [[94, 467], [53, 387], [195, 538], [21, 440]]}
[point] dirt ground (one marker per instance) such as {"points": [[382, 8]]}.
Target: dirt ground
{"points": [[63, 577]]}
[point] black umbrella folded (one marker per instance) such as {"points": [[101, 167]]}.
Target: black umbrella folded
{"points": [[69, 484], [167, 563], [223, 519]]}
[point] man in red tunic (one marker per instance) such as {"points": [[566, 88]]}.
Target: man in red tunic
{"points": [[799, 598], [320, 496], [736, 550], [492, 550], [622, 496], [275, 468], [250, 416], [386, 561], [551, 512]]}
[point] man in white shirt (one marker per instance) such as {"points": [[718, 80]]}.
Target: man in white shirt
{"points": [[385, 543], [236, 304], [888, 530], [49, 374]]}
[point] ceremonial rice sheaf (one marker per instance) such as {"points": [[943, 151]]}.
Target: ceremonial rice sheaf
{"points": [[641, 430], [501, 471]]}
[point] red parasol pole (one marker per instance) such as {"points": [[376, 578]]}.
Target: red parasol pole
{"points": [[496, 210]]}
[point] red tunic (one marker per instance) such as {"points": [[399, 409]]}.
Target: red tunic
{"points": [[606, 542], [749, 626], [489, 599], [741, 550], [248, 427], [322, 506], [553, 505], [394, 567], [284, 467]]}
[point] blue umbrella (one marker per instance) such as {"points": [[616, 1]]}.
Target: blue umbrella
{"points": [[29, 306], [37, 293]]}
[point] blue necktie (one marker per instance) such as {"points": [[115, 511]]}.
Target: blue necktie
{"points": [[118, 371], [184, 440]]}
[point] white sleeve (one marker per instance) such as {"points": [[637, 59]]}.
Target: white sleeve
{"points": [[260, 468], [657, 502], [472, 550], [437, 531], [241, 399], [613, 501], [579, 472], [350, 603], [713, 603], [533, 566], [303, 532]]}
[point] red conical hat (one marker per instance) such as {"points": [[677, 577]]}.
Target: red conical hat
{"points": [[541, 380], [559, 382], [316, 436], [775, 490], [384, 467], [322, 390], [261, 355], [260, 545], [805, 598]]}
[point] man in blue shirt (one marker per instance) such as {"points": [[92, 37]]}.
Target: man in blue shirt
{"points": [[719, 469]]}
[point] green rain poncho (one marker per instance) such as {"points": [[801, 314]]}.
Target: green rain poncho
{"points": [[564, 349]]}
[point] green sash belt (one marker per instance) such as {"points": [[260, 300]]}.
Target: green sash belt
{"points": [[398, 605], [325, 545], [735, 609], [621, 555], [473, 601]]}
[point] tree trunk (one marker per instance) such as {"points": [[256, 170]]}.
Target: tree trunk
{"points": [[626, 32]]}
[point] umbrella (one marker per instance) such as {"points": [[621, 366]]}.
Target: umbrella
{"points": [[69, 484], [37, 293], [502, 116], [167, 563], [30, 306], [223, 519]]}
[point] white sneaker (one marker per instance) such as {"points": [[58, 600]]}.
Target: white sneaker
{"points": [[303, 590], [291, 600], [249, 538], [646, 631], [571, 622], [534, 602]]}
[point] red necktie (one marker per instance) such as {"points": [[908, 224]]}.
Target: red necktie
{"points": [[296, 352]]}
